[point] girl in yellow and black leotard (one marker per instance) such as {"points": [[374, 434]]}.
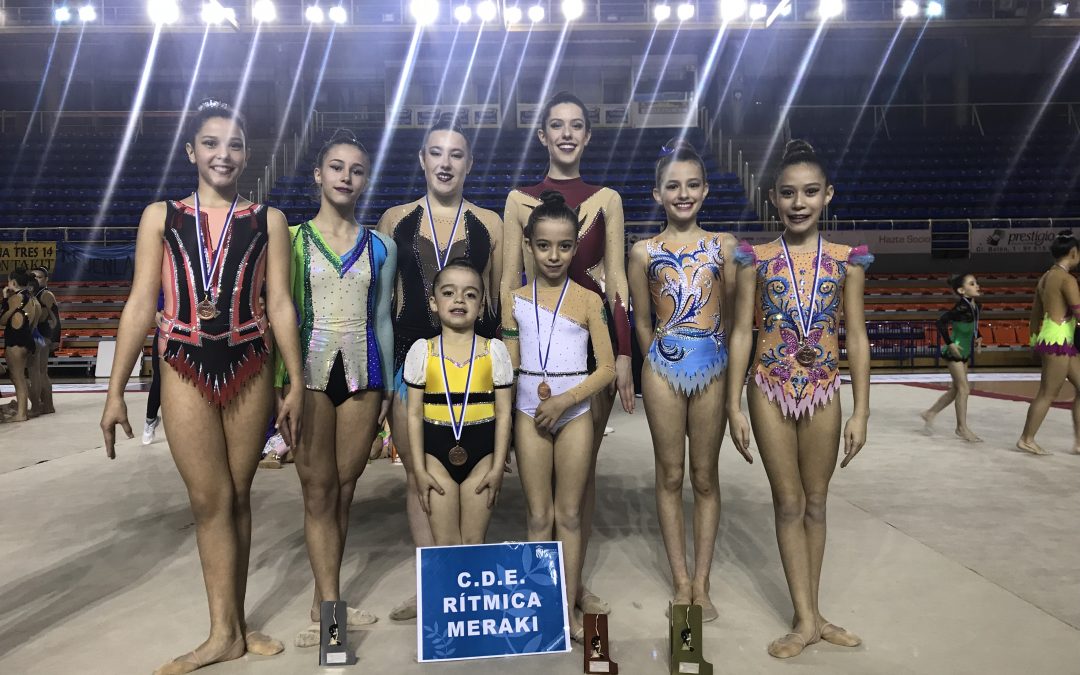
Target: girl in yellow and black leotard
{"points": [[458, 411]]}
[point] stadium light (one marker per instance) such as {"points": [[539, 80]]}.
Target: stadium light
{"points": [[212, 13], [486, 11], [661, 11], [536, 13], [424, 12], [163, 11], [758, 11], [87, 13], [732, 10], [264, 11], [512, 14], [1061, 9], [685, 11], [314, 14], [830, 9], [934, 9], [62, 14], [909, 9], [462, 13], [573, 9], [337, 14]]}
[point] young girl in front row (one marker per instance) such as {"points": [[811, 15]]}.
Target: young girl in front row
{"points": [[553, 435], [800, 286], [459, 411], [685, 276]]}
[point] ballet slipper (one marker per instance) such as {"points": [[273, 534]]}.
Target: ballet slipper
{"points": [[404, 611], [578, 635], [359, 618], [262, 644], [271, 461], [787, 646], [190, 662], [708, 610], [968, 435], [837, 635], [309, 637], [1030, 446], [590, 603]]}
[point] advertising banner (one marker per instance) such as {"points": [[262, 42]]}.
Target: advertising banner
{"points": [[1013, 239], [490, 600], [18, 255]]}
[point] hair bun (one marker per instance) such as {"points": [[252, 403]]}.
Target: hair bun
{"points": [[797, 146], [211, 103], [552, 198], [676, 144], [343, 135]]}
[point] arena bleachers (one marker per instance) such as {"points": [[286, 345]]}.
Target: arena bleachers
{"points": [[953, 175]]}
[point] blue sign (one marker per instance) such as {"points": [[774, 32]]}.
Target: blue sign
{"points": [[490, 600]]}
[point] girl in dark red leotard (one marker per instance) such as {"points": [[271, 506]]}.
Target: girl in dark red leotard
{"points": [[599, 264]]}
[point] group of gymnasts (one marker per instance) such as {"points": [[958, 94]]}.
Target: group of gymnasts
{"points": [[1052, 327], [474, 334], [30, 316]]}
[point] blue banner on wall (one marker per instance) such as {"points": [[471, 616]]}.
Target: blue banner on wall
{"points": [[94, 262], [490, 600]]}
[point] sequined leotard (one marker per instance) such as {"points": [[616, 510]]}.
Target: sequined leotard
{"points": [[220, 355], [796, 388], [580, 319], [343, 304], [959, 326], [23, 335], [686, 284], [417, 265], [491, 370], [597, 263]]}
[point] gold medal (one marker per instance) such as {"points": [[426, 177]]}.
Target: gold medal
{"points": [[458, 455], [207, 310], [805, 355], [543, 391]]}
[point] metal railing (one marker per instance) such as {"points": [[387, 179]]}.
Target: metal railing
{"points": [[981, 117]]}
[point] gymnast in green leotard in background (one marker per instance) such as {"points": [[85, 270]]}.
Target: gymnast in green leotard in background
{"points": [[1053, 329], [958, 328]]}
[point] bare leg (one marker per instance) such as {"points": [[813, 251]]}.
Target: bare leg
{"points": [[203, 462], [571, 474], [445, 508], [316, 465], [245, 422], [943, 402], [17, 359], [959, 372], [707, 423], [600, 409], [47, 406], [666, 411], [819, 445], [1055, 370], [357, 424], [1074, 379], [473, 511], [419, 526], [778, 442], [33, 368]]}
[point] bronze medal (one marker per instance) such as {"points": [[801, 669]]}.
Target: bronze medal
{"points": [[543, 391], [458, 455], [206, 310], [806, 355]]}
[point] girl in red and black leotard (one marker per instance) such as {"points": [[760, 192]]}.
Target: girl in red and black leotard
{"points": [[214, 254], [599, 264]]}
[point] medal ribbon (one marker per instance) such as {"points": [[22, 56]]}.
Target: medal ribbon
{"points": [[215, 265], [440, 259], [544, 355], [807, 320], [455, 425]]}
